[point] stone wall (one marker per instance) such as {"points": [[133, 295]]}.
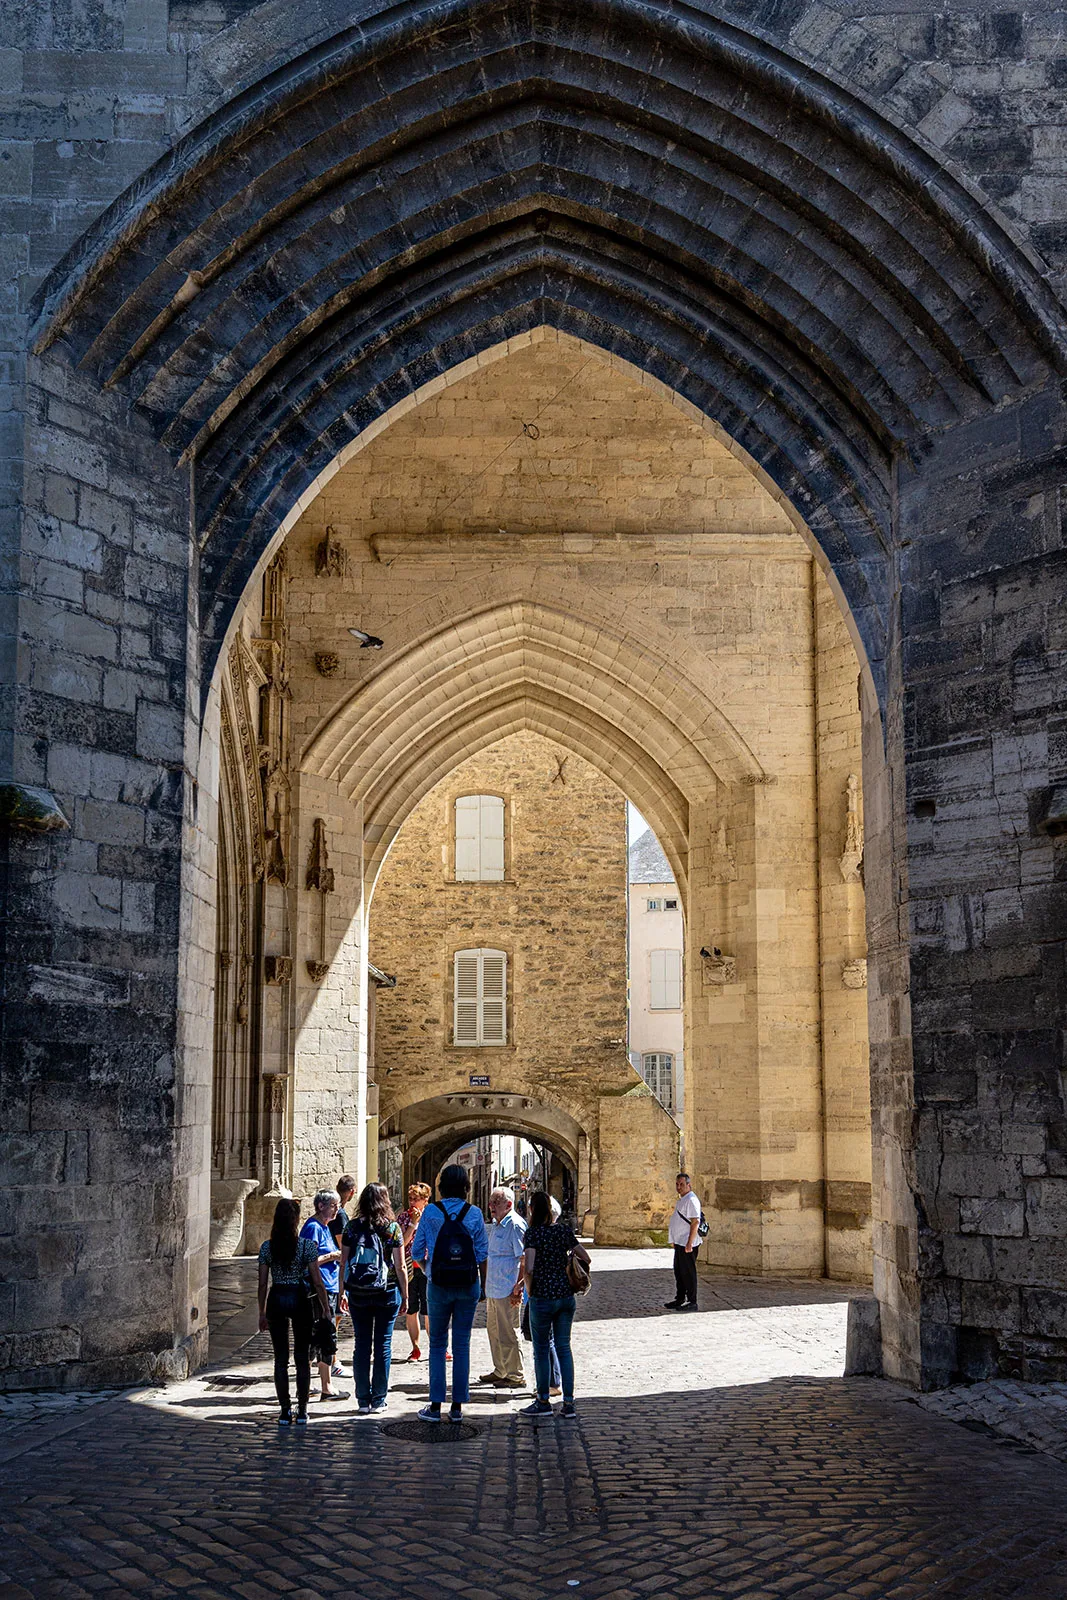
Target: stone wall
{"points": [[919, 431], [560, 917], [623, 493]]}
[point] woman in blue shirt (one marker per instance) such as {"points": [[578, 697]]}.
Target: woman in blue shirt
{"points": [[453, 1287], [317, 1228]]}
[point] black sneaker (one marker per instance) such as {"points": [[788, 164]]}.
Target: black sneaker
{"points": [[455, 1412], [537, 1408], [568, 1413], [285, 1420], [672, 1305], [690, 1305]]}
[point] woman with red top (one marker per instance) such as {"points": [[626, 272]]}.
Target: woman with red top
{"points": [[418, 1195]]}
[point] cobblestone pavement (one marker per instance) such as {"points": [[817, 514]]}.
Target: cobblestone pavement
{"points": [[718, 1454]]}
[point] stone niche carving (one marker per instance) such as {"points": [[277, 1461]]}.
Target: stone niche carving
{"points": [[852, 854], [331, 558], [277, 969], [854, 974], [719, 970], [723, 859]]}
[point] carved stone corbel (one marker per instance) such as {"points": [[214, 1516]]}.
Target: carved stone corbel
{"points": [[854, 974], [719, 970], [277, 969]]}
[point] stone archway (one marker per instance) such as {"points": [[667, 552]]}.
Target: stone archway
{"points": [[245, 310]]}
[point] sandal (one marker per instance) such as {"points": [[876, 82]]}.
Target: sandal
{"points": [[335, 1394], [416, 1355]]}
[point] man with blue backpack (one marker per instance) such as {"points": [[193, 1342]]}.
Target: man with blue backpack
{"points": [[451, 1245]]}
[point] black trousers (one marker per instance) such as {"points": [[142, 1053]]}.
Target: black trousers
{"points": [[685, 1274], [285, 1306]]}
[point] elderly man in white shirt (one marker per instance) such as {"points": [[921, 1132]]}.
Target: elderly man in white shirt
{"points": [[684, 1234], [503, 1292]]}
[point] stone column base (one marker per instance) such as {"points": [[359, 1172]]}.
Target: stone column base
{"points": [[228, 1196]]}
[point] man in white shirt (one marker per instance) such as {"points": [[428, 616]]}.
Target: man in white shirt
{"points": [[683, 1235], [503, 1291]]}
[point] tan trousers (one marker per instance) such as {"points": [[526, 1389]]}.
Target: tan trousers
{"points": [[502, 1326]]}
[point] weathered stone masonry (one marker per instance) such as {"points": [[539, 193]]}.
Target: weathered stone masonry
{"points": [[838, 236]]}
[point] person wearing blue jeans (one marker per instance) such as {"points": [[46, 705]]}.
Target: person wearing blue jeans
{"points": [[549, 1246], [375, 1287], [373, 1327], [460, 1283], [550, 1326]]}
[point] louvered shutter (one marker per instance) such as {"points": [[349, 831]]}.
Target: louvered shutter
{"points": [[479, 838], [665, 980], [465, 1021], [492, 838], [468, 834], [480, 995], [494, 997]]}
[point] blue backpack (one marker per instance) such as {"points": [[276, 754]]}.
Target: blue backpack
{"points": [[368, 1269], [452, 1265]]}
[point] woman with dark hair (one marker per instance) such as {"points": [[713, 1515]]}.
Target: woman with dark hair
{"points": [[374, 1291], [549, 1246], [288, 1266]]}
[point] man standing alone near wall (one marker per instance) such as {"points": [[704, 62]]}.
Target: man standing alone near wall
{"points": [[683, 1235], [503, 1291]]}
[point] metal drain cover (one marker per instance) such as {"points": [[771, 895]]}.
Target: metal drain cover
{"points": [[430, 1432]]}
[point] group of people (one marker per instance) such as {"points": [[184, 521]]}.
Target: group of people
{"points": [[433, 1265]]}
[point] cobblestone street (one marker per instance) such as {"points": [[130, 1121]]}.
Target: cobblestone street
{"points": [[717, 1454]]}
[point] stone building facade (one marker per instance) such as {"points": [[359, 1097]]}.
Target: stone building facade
{"points": [[558, 916], [656, 957], [245, 243]]}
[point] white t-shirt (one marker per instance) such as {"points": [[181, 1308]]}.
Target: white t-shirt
{"points": [[686, 1210]]}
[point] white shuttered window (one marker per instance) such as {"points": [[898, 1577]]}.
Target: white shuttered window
{"points": [[665, 980], [479, 838], [481, 997]]}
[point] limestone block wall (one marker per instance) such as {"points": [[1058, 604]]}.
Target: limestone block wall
{"points": [[639, 1151], [453, 506], [560, 916]]}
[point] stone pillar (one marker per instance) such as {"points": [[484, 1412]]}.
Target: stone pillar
{"points": [[842, 943], [978, 762], [754, 1123], [329, 1062], [106, 1076]]}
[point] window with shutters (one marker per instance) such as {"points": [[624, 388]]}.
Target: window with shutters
{"points": [[479, 838], [657, 1069], [665, 980], [480, 987]]}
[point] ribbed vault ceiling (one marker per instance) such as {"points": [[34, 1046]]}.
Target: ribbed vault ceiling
{"points": [[636, 174]]}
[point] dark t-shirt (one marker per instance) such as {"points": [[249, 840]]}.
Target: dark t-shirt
{"points": [[553, 1245]]}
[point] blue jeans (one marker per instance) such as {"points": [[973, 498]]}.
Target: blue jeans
{"points": [[550, 1323], [455, 1306], [373, 1326]]}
